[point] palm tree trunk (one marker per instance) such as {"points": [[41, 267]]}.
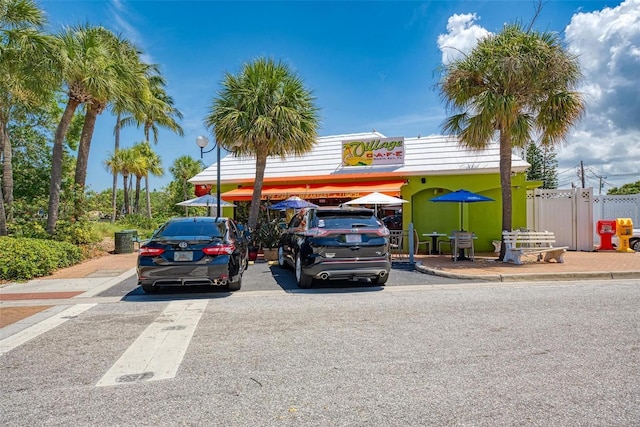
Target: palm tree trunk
{"points": [[254, 210], [136, 203], [7, 171], [56, 165], [83, 159], [3, 218], [114, 187], [148, 195], [126, 194], [505, 183]]}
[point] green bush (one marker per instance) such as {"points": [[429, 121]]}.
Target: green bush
{"points": [[78, 233], [31, 228], [26, 258]]}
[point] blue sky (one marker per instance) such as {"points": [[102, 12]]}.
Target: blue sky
{"points": [[369, 65]]}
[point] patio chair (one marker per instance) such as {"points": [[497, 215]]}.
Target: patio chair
{"points": [[417, 242], [463, 240], [396, 243], [446, 241]]}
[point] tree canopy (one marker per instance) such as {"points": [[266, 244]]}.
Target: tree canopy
{"points": [[515, 85], [265, 110]]}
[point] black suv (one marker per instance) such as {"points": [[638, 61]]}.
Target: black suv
{"points": [[336, 243], [193, 251]]}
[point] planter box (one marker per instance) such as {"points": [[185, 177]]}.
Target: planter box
{"points": [[270, 254]]}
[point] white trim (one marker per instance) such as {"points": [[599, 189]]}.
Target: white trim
{"points": [[424, 156]]}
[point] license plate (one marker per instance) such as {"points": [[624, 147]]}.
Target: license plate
{"points": [[352, 238], [183, 256]]}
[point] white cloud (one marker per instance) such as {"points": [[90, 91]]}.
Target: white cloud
{"points": [[122, 18], [462, 36], [607, 43]]}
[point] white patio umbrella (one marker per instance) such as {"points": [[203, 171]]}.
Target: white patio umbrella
{"points": [[376, 199], [206, 200]]}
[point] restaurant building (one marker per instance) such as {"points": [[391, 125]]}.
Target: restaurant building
{"points": [[343, 167]]}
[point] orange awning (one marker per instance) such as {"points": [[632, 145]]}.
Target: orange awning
{"points": [[336, 190]]}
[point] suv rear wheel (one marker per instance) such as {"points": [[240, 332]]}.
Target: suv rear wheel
{"points": [[380, 280], [303, 280]]}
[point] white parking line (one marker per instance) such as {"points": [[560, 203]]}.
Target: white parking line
{"points": [[157, 353], [19, 338]]}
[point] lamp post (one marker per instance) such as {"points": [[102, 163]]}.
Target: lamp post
{"points": [[203, 141]]}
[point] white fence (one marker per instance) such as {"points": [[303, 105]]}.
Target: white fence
{"points": [[572, 214], [612, 207], [568, 213]]}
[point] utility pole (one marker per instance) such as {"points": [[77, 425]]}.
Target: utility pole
{"points": [[582, 173], [602, 178]]}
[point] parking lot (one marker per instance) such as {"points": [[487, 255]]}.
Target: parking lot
{"points": [[262, 276]]}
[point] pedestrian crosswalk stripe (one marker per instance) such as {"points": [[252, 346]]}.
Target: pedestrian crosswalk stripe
{"points": [[19, 338], [157, 353]]}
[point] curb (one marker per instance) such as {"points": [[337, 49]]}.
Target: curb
{"points": [[591, 275]]}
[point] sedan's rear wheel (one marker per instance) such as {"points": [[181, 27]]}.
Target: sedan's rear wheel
{"points": [[304, 281], [635, 245], [281, 261], [235, 286], [149, 289]]}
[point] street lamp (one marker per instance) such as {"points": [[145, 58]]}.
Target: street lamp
{"points": [[203, 141]]}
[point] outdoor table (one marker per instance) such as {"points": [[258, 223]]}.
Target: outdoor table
{"points": [[434, 241]]}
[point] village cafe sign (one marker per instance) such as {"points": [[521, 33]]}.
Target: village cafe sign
{"points": [[373, 152]]}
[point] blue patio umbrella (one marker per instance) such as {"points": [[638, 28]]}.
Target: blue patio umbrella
{"points": [[462, 196], [293, 202]]}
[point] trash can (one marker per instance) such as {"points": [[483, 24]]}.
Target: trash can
{"points": [[624, 231], [124, 241]]}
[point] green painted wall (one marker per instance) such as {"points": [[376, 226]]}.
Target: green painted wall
{"points": [[483, 218]]}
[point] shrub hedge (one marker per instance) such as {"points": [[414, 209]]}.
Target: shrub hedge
{"points": [[26, 258]]}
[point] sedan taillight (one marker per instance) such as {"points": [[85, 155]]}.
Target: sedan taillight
{"points": [[144, 251], [225, 249]]}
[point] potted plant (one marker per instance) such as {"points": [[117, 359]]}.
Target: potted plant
{"points": [[269, 238]]}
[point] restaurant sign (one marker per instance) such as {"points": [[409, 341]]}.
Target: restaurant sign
{"points": [[373, 152]]}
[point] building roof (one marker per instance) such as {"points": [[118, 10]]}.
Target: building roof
{"points": [[424, 156]]}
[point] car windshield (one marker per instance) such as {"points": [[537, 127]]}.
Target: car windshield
{"points": [[345, 220], [192, 228]]}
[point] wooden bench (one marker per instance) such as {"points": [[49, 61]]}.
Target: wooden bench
{"points": [[519, 243]]}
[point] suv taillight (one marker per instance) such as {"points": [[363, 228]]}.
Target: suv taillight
{"points": [[225, 249], [144, 251], [318, 232]]}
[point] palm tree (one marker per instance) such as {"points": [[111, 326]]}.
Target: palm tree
{"points": [[123, 77], [518, 84], [129, 104], [82, 54], [122, 162], [182, 169], [263, 111], [113, 165], [155, 110], [25, 79], [154, 163], [146, 162]]}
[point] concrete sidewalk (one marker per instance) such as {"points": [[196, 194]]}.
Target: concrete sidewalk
{"points": [[576, 266]]}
